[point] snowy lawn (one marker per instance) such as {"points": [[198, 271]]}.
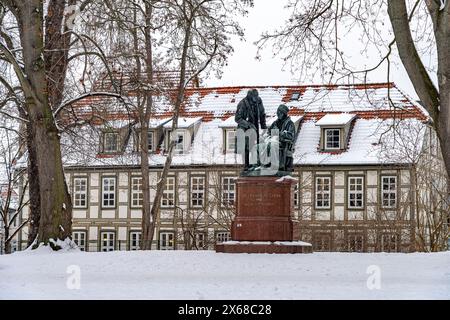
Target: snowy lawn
{"points": [[208, 275]]}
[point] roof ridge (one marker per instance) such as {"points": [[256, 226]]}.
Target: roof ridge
{"points": [[297, 86]]}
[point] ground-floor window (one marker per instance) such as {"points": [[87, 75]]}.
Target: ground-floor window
{"points": [[322, 242], [389, 242], [135, 240], [296, 195], [355, 243], [79, 237], [222, 237], [107, 241], [166, 241], [14, 246], [200, 241]]}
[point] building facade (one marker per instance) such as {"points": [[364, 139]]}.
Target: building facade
{"points": [[356, 190]]}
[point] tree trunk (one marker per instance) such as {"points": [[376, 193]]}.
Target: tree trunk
{"points": [[147, 218], [176, 110], [55, 204], [33, 181], [7, 245], [33, 190], [437, 102]]}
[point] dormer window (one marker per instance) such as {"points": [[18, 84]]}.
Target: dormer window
{"points": [[333, 139], [110, 142], [151, 141], [179, 141], [295, 96], [230, 140], [183, 137], [334, 131]]}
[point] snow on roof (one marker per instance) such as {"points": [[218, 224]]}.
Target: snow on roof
{"points": [[229, 123], [213, 109], [271, 120], [155, 123], [220, 102], [183, 123], [336, 119]]}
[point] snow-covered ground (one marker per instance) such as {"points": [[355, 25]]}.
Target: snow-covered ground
{"points": [[207, 275]]}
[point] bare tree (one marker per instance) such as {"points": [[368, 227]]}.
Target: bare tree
{"points": [[414, 143], [189, 37], [313, 41], [35, 49], [11, 200]]}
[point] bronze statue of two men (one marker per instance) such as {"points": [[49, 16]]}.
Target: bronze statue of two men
{"points": [[269, 153]]}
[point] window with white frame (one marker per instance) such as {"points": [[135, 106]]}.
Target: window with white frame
{"points": [[135, 240], [389, 191], [228, 191], [355, 192], [150, 142], [166, 241], [80, 192], [108, 192], [79, 237], [197, 191], [107, 241], [137, 196], [322, 242], [110, 142], [14, 245], [180, 141], [168, 196], [323, 192], [230, 142], [200, 240], [296, 195], [222, 237], [389, 242], [355, 243], [332, 138]]}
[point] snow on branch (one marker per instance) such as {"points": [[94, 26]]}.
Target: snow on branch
{"points": [[84, 96]]}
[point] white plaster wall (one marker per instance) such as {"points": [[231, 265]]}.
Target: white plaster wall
{"points": [[136, 214], [339, 196], [372, 195], [79, 214], [339, 178], [94, 195], [108, 214], [339, 213], [123, 212], [123, 179], [355, 215], [372, 178], [405, 176], [323, 215], [93, 233], [95, 180], [93, 212], [123, 195], [122, 233]]}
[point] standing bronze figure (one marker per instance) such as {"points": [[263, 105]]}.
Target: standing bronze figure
{"points": [[250, 116]]}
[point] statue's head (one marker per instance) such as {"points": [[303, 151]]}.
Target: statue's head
{"points": [[252, 95], [282, 112]]}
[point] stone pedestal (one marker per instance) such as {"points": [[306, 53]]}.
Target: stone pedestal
{"points": [[263, 222]]}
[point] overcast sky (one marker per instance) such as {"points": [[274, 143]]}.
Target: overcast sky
{"points": [[244, 70]]}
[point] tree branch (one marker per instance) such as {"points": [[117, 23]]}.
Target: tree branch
{"points": [[419, 76]]}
